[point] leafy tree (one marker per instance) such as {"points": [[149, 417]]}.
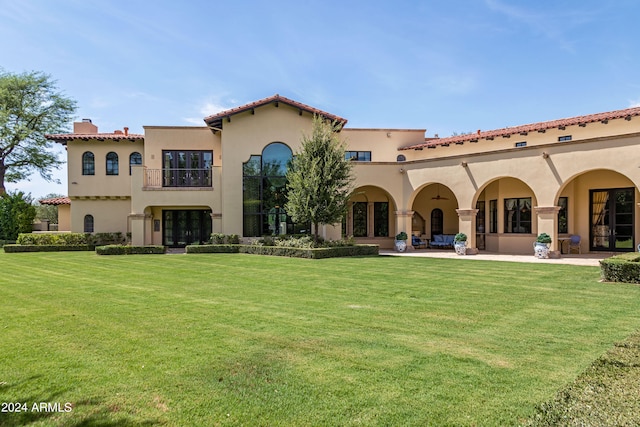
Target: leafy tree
{"points": [[319, 179], [16, 215], [30, 107]]}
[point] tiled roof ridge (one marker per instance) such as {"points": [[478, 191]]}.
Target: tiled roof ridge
{"points": [[269, 100], [56, 201], [70, 136], [532, 127]]}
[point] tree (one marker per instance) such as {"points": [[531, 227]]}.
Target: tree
{"points": [[319, 179], [30, 107], [16, 215], [48, 212]]}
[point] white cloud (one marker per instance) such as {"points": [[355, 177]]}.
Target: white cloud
{"points": [[208, 108], [634, 103]]}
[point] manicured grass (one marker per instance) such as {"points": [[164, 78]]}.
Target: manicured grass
{"points": [[233, 339]]}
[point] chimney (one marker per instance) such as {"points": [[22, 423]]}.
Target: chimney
{"points": [[85, 127], [126, 131]]}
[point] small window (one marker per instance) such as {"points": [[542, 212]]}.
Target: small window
{"points": [[88, 223], [112, 163], [521, 144], [88, 163], [564, 138], [401, 158], [358, 156], [493, 216]]}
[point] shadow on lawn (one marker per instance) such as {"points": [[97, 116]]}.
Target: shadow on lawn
{"points": [[27, 410]]}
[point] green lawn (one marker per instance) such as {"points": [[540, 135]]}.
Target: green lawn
{"points": [[249, 340]]}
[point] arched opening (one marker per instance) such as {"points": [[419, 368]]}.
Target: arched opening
{"points": [[370, 215], [599, 206], [436, 205], [265, 194]]}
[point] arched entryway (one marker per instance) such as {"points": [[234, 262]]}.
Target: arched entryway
{"points": [[371, 216], [600, 207], [434, 211]]}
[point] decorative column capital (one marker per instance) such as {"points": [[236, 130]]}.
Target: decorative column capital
{"points": [[462, 213], [404, 213], [545, 210]]}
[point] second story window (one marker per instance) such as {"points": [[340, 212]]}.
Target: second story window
{"points": [[134, 159], [88, 163], [358, 156], [188, 168], [112, 163]]}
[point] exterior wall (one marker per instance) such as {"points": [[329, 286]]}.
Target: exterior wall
{"points": [[64, 217], [247, 134], [100, 184], [109, 215], [383, 143]]}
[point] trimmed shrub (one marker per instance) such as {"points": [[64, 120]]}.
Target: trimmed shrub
{"points": [[221, 239], [46, 248], [130, 250], [311, 253], [98, 239], [217, 238], [212, 249], [621, 268]]}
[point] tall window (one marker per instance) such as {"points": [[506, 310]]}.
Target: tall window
{"points": [[88, 163], [135, 159], [360, 219], [88, 223], [437, 222], [493, 216], [112, 163], [186, 168], [563, 217], [381, 219], [517, 215], [264, 193]]}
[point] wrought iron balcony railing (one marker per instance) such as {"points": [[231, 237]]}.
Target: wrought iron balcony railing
{"points": [[178, 178]]}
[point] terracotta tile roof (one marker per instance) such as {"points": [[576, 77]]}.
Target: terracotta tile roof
{"points": [[62, 138], [523, 129], [215, 120], [56, 201]]}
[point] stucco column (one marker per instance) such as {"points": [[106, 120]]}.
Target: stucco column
{"points": [[370, 223], [137, 228], [547, 218], [467, 225], [403, 223]]}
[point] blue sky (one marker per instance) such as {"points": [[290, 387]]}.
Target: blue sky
{"points": [[455, 66]]}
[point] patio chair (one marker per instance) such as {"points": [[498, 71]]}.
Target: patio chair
{"points": [[417, 242], [574, 243]]}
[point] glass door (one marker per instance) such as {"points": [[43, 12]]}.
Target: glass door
{"points": [[185, 227], [612, 219]]}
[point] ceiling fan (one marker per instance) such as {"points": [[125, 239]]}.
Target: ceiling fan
{"points": [[438, 196]]}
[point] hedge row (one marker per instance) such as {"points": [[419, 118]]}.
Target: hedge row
{"points": [[130, 250], [312, 253], [46, 248], [621, 268], [97, 239]]}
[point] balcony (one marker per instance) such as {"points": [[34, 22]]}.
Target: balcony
{"points": [[178, 178]]}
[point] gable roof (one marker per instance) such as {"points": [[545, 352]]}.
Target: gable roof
{"points": [[215, 120], [524, 129]]}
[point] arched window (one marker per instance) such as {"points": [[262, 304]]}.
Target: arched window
{"points": [[88, 163], [88, 223], [112, 163], [264, 193], [436, 222], [135, 158]]}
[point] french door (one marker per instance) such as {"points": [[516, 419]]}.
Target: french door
{"points": [[612, 219], [184, 227]]}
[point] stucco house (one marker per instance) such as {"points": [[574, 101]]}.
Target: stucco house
{"points": [[175, 185]]}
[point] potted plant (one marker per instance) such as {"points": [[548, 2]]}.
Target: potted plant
{"points": [[541, 246], [460, 243], [401, 241]]}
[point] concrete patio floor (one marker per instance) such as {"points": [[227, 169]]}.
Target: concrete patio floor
{"points": [[591, 259]]}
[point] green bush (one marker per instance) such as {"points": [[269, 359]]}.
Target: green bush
{"points": [[312, 253], [212, 249], [98, 239], [130, 250], [217, 238], [221, 239], [46, 248], [621, 268]]}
